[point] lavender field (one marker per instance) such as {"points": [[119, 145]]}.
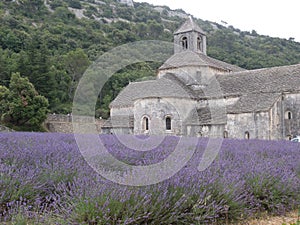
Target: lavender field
{"points": [[45, 180]]}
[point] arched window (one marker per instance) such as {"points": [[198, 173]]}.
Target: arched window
{"points": [[247, 135], [184, 42], [288, 115], [168, 123], [199, 43], [225, 134], [145, 123]]}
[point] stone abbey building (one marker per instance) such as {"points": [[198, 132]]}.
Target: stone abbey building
{"points": [[196, 95]]}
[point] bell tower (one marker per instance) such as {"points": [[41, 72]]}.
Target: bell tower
{"points": [[190, 37]]}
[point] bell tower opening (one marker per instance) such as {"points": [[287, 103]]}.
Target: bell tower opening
{"points": [[184, 43], [199, 43]]}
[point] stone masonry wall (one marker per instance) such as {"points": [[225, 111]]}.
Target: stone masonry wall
{"points": [[63, 123], [157, 110], [291, 111], [256, 124]]}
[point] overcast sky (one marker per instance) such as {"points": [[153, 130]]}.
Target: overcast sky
{"points": [[277, 18]]}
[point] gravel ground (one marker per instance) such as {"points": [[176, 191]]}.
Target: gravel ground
{"points": [[289, 219]]}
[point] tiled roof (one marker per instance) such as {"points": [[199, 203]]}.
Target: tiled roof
{"points": [[268, 80], [257, 89], [189, 25], [167, 86], [190, 58], [206, 116], [254, 102], [247, 103]]}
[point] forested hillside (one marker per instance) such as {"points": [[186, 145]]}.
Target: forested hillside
{"points": [[52, 42]]}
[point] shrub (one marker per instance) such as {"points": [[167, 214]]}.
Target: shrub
{"points": [[45, 180]]}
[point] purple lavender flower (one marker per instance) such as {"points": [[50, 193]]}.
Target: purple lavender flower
{"points": [[43, 177]]}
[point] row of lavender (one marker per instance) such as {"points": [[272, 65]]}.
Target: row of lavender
{"points": [[45, 180]]}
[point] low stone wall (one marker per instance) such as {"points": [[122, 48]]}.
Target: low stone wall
{"points": [[59, 118], [63, 123], [5, 129]]}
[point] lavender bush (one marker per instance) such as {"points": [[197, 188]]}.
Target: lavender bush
{"points": [[45, 180]]}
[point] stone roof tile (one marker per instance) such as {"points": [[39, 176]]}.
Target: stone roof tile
{"points": [[258, 89], [268, 80], [189, 25], [254, 102], [167, 86], [190, 58], [206, 116]]}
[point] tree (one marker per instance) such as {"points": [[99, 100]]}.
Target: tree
{"points": [[254, 33], [8, 64], [155, 29], [76, 62], [33, 8], [142, 30], [75, 4], [56, 3], [22, 108], [4, 92]]}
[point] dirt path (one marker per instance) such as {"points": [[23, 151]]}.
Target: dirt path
{"points": [[289, 219]]}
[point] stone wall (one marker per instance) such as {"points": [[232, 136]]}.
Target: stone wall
{"points": [[213, 131], [276, 131], [291, 115], [5, 129], [157, 110], [63, 123], [192, 42], [256, 124], [282, 121]]}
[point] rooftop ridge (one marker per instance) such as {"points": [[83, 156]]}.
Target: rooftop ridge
{"points": [[191, 58], [189, 25], [246, 72]]}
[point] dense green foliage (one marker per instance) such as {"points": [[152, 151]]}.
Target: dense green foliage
{"points": [[251, 51], [21, 106], [47, 43]]}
